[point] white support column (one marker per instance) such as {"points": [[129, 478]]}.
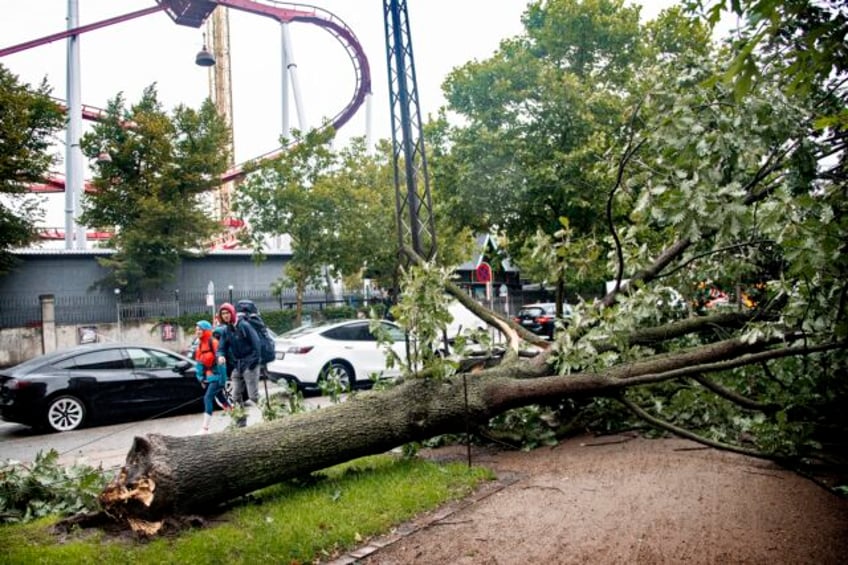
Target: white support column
{"points": [[369, 138], [73, 153], [286, 132], [292, 69]]}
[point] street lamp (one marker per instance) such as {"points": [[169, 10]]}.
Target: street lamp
{"points": [[177, 300], [230, 289], [118, 309], [204, 58]]}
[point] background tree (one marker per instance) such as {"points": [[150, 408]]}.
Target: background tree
{"points": [[338, 209], [28, 120], [334, 206], [540, 113], [149, 190], [361, 185]]}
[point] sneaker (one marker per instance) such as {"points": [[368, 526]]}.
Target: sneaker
{"points": [[201, 432], [249, 403]]}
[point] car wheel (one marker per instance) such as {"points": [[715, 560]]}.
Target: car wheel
{"points": [[339, 372], [65, 413]]}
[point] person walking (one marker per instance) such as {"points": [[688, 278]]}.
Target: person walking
{"points": [[240, 347], [211, 375]]}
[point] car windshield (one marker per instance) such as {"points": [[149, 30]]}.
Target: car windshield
{"points": [[544, 310], [531, 312]]}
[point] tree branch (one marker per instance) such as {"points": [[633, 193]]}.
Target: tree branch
{"points": [[713, 252], [734, 397], [678, 431], [512, 331]]}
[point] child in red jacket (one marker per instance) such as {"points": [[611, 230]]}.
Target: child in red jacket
{"points": [[210, 374]]}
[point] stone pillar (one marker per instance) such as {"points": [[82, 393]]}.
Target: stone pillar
{"points": [[48, 322]]}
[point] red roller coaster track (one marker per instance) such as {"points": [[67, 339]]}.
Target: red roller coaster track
{"points": [[193, 13]]}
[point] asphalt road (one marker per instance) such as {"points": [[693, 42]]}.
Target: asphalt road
{"points": [[107, 446]]}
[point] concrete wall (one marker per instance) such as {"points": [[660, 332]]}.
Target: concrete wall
{"points": [[20, 344]]}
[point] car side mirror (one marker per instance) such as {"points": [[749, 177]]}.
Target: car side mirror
{"points": [[181, 367]]}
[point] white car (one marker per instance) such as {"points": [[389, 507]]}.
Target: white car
{"points": [[345, 350]]}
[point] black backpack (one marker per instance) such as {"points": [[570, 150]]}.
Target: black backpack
{"points": [[266, 344]]}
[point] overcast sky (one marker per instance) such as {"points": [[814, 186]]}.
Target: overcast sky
{"points": [[129, 56]]}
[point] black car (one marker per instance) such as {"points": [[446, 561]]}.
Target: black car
{"points": [[64, 390], [540, 318]]}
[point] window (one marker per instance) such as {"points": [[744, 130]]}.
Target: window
{"points": [[100, 360], [69, 363], [394, 332], [350, 332], [149, 359], [162, 360]]}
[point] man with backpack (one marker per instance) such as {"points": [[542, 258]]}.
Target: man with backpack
{"points": [[241, 347]]}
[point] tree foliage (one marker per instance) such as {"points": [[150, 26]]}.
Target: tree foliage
{"points": [[541, 113], [680, 179], [150, 189], [29, 119], [332, 205]]}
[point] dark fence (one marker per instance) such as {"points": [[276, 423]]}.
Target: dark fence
{"points": [[70, 310], [21, 312]]}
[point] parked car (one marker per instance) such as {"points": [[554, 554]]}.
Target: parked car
{"points": [[101, 382], [540, 317], [345, 350]]}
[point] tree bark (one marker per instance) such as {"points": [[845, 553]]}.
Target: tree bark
{"points": [[166, 475]]}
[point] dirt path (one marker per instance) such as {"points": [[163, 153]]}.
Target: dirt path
{"points": [[626, 500]]}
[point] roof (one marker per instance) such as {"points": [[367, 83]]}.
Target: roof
{"points": [[482, 243]]}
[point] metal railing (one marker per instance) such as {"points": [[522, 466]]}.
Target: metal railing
{"points": [[21, 312]]}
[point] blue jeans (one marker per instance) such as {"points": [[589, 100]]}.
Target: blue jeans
{"points": [[212, 390]]}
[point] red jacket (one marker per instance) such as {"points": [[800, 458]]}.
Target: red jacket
{"points": [[206, 352]]}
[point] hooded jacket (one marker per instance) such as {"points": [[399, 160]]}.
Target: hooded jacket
{"points": [[240, 343]]}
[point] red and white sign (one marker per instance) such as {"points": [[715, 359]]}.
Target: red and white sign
{"points": [[483, 273]]}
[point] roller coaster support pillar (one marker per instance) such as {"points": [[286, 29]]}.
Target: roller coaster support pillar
{"points": [[73, 153]]}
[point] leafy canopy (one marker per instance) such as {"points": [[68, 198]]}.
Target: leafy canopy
{"points": [[334, 206], [152, 189], [29, 119], [540, 115]]}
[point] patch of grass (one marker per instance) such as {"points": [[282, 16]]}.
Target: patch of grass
{"points": [[295, 522]]}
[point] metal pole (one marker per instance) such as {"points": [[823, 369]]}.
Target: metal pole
{"points": [[73, 155], [369, 135], [118, 310], [291, 68], [285, 81]]}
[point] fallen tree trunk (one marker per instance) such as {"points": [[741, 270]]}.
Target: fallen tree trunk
{"points": [[176, 475], [164, 475]]}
